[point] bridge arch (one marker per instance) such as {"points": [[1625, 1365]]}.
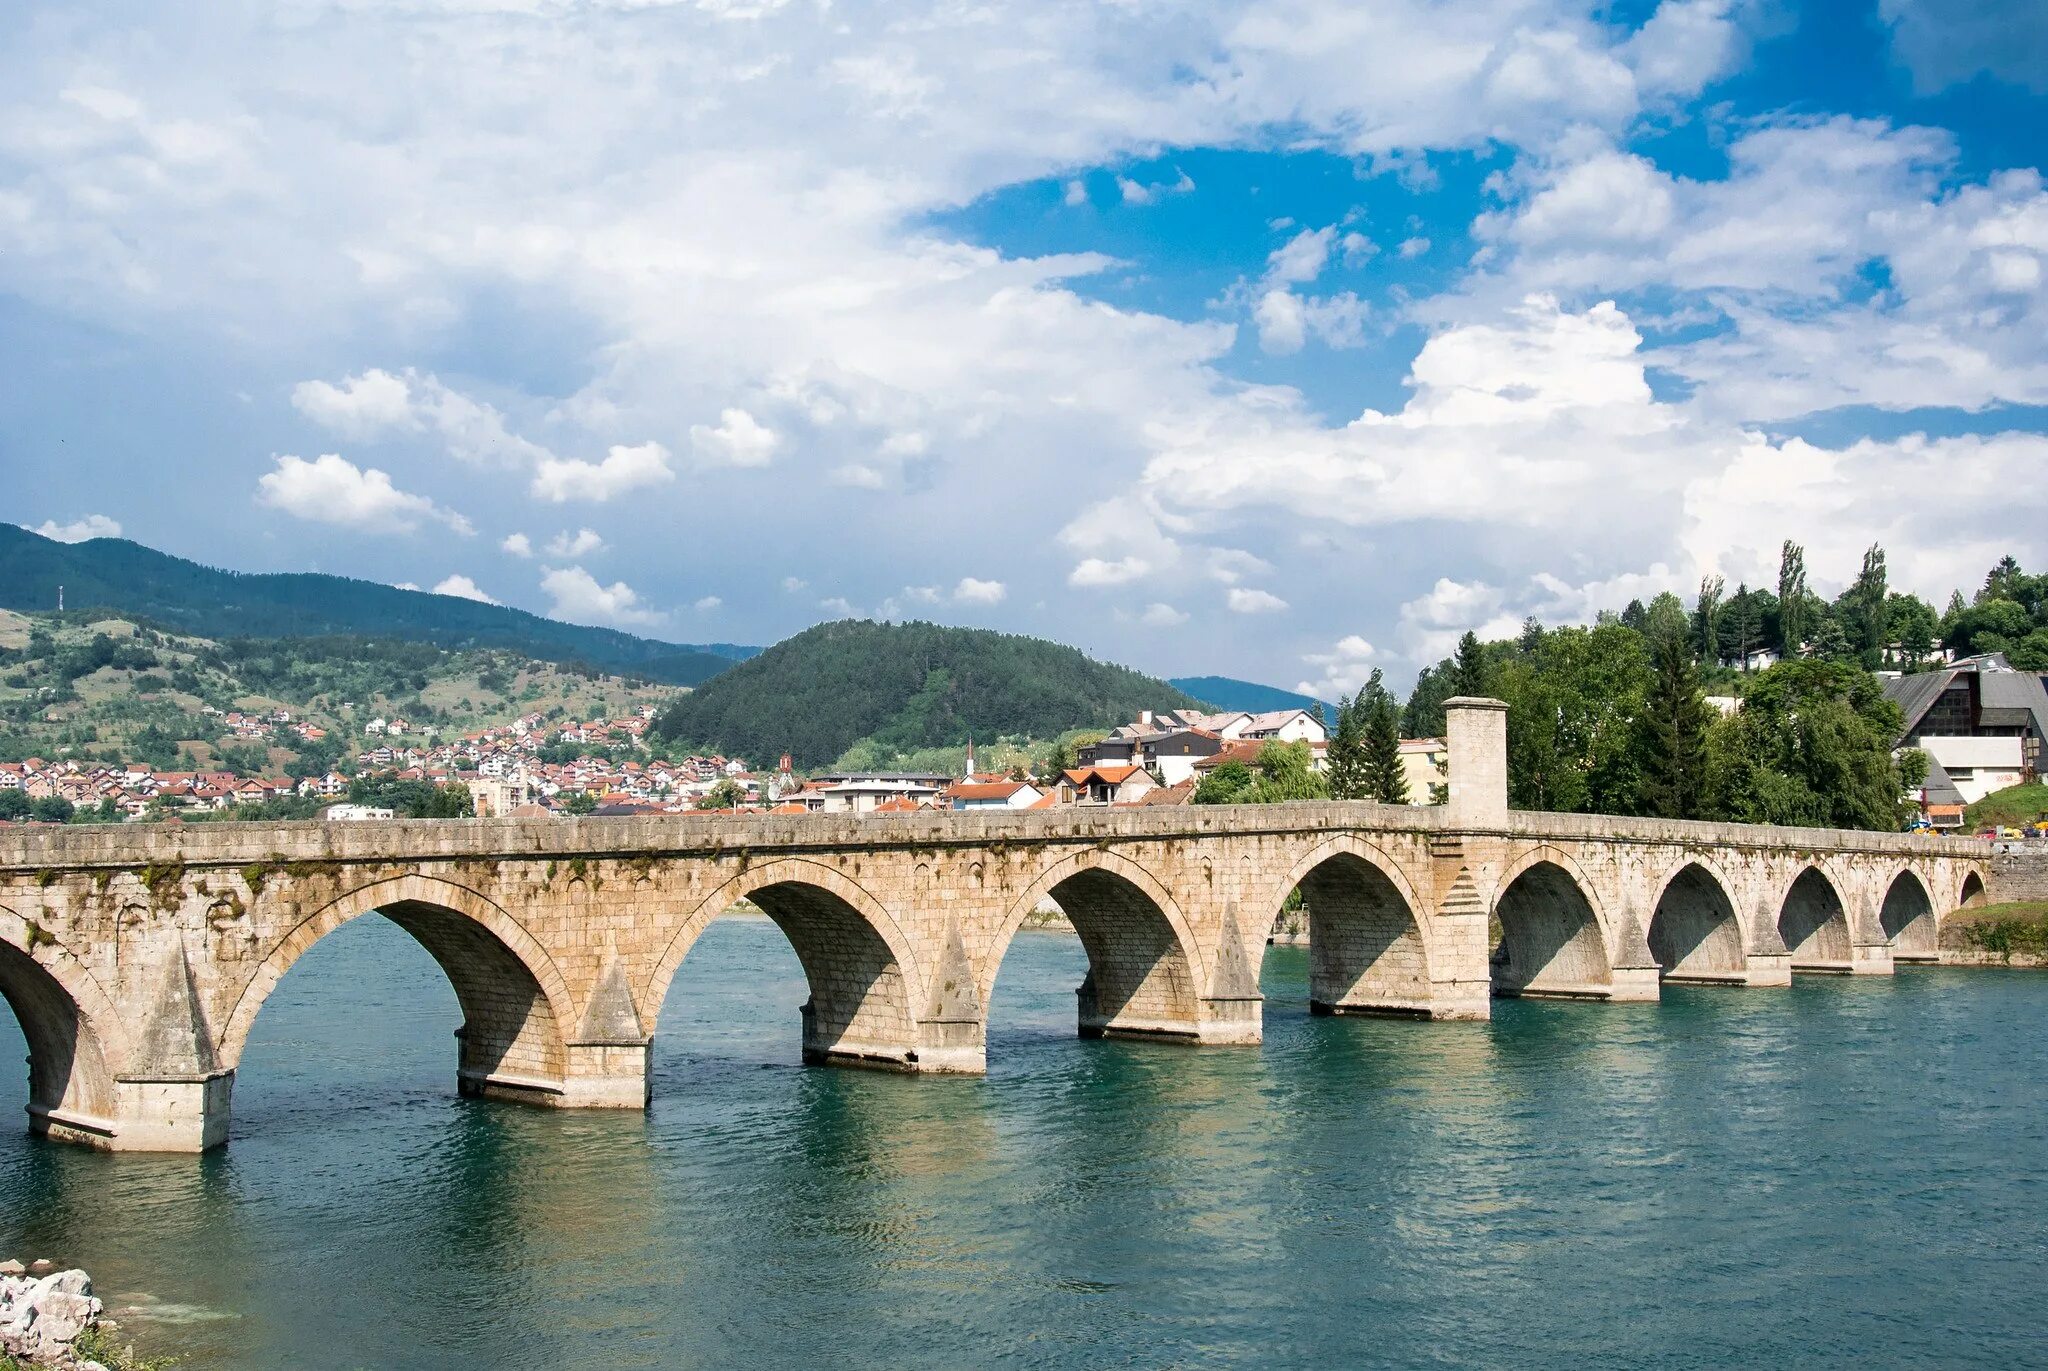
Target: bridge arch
{"points": [[865, 982], [71, 1028], [1813, 921], [1554, 938], [1145, 971], [1972, 894], [515, 1007], [1907, 919], [1696, 932], [1369, 949]]}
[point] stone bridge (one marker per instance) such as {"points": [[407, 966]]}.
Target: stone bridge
{"points": [[138, 958]]}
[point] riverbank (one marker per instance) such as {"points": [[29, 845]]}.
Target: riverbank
{"points": [[50, 1318], [2011, 934]]}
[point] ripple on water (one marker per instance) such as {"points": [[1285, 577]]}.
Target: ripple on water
{"points": [[1849, 1171]]}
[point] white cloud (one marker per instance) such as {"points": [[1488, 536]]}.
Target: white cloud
{"points": [[579, 598], [330, 490], [792, 584], [1341, 670], [517, 544], [1095, 571], [567, 546], [1161, 615], [378, 403], [972, 591], [79, 530], [1302, 257], [1943, 42], [1076, 194], [360, 406], [1245, 600], [838, 607], [623, 469], [462, 588], [740, 440], [1414, 247], [705, 604]]}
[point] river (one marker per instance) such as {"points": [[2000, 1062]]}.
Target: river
{"points": [[1848, 1172]]}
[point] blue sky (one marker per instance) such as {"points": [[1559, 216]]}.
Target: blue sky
{"points": [[1284, 341]]}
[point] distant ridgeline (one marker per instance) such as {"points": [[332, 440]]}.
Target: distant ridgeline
{"points": [[186, 597], [1227, 693], [906, 686]]}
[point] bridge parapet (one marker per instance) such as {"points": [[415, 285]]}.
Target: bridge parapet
{"points": [[138, 957]]}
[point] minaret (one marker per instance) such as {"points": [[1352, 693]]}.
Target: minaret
{"points": [[970, 756]]}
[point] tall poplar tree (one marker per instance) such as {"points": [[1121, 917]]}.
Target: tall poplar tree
{"points": [[1672, 737], [1792, 620]]}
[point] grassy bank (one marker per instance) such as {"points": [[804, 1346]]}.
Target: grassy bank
{"points": [[2004, 930], [2011, 807]]}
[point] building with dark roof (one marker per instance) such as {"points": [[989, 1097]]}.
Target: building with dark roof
{"points": [[1983, 725]]}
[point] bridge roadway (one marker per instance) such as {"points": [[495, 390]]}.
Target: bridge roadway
{"points": [[137, 958]]}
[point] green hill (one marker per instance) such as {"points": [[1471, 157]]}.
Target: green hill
{"points": [[1226, 692], [185, 597], [906, 687]]}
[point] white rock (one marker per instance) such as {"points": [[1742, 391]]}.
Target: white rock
{"points": [[12, 1267]]}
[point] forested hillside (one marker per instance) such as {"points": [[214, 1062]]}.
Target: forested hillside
{"points": [[139, 582], [905, 686]]}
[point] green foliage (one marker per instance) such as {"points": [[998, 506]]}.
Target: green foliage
{"points": [[412, 799], [1671, 738], [1349, 776], [1386, 779], [1810, 746], [2003, 929], [906, 686], [1281, 772], [1572, 706], [2010, 808], [726, 794], [96, 1344]]}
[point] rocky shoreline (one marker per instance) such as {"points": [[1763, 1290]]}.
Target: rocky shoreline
{"points": [[49, 1318]]}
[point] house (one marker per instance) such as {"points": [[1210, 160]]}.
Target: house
{"points": [[1103, 785], [979, 794], [1426, 764], [1984, 723], [865, 793], [348, 813]]}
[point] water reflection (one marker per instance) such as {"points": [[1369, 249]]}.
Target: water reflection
{"points": [[1848, 1171]]}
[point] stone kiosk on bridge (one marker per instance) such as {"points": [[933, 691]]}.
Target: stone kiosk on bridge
{"points": [[137, 958]]}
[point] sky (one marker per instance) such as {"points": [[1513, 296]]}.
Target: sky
{"points": [[1283, 341]]}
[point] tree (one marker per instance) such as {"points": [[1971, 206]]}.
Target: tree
{"points": [[1424, 715], [1811, 745], [1989, 626], [1350, 778], [1861, 609], [1571, 719], [1280, 772], [1672, 738], [726, 794], [1706, 611], [1388, 778], [1912, 625], [51, 809], [1665, 617], [1830, 642], [1228, 783], [1635, 616], [13, 805], [1469, 674], [1792, 620]]}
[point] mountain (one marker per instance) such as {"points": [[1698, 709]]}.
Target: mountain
{"points": [[185, 597], [1227, 693], [904, 686]]}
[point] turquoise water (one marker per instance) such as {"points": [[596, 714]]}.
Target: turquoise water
{"points": [[1845, 1173]]}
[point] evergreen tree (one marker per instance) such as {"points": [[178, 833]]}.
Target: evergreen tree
{"points": [[1672, 738], [1792, 621], [1862, 609], [1469, 674], [1383, 747], [1349, 777], [1636, 617]]}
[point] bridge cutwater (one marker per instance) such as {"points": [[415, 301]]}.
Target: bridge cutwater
{"points": [[137, 958]]}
